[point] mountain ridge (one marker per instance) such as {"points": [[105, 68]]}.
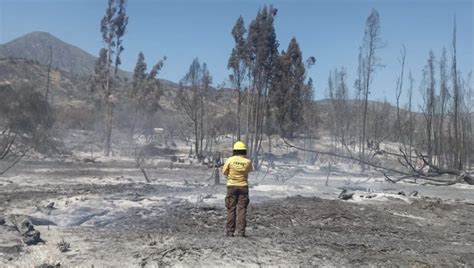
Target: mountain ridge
{"points": [[66, 57], [36, 46]]}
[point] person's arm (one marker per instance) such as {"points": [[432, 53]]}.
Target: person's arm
{"points": [[225, 169], [250, 167]]}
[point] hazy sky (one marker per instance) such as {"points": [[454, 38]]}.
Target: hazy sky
{"points": [[329, 30]]}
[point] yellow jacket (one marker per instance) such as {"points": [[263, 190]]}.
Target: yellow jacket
{"points": [[237, 169]]}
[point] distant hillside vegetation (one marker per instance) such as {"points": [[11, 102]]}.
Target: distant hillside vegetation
{"points": [[25, 58], [69, 90], [64, 86]]}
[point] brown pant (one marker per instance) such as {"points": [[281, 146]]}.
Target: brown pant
{"points": [[236, 202]]}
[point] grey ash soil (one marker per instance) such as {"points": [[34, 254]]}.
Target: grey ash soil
{"points": [[175, 230], [312, 231], [293, 231]]}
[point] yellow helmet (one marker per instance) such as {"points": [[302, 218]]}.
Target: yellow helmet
{"points": [[239, 146]]}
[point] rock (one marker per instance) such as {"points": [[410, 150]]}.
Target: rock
{"points": [[344, 195], [2, 220], [401, 193], [50, 205], [47, 265], [414, 193]]}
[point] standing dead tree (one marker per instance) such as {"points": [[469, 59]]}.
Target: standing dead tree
{"points": [[430, 102], [262, 48], [444, 97], [398, 92], [446, 137], [310, 114], [468, 119], [369, 63], [112, 27], [238, 64], [411, 117], [340, 112], [145, 94], [191, 98], [458, 155]]}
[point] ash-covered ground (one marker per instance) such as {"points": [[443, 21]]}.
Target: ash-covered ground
{"points": [[112, 217]]}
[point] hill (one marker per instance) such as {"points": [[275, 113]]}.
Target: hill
{"points": [[65, 86], [36, 46], [71, 94], [25, 58]]}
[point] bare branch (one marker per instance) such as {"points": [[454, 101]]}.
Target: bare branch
{"points": [[13, 163], [348, 157], [462, 176], [7, 146]]}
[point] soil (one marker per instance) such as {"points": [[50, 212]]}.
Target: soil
{"points": [[312, 231], [111, 217]]}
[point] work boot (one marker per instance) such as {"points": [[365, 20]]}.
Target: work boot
{"points": [[241, 234]]}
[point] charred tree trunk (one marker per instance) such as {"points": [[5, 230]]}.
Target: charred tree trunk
{"points": [[457, 140], [108, 103], [239, 107], [247, 133], [108, 126]]}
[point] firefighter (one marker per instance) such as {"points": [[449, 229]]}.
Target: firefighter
{"points": [[237, 169]]}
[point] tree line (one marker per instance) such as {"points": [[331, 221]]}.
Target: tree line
{"points": [[436, 135], [275, 96], [271, 85]]}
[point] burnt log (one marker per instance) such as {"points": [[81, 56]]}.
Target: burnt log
{"points": [[344, 195], [23, 225]]}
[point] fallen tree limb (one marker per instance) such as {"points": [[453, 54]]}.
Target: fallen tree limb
{"points": [[431, 177], [29, 235], [352, 158]]}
